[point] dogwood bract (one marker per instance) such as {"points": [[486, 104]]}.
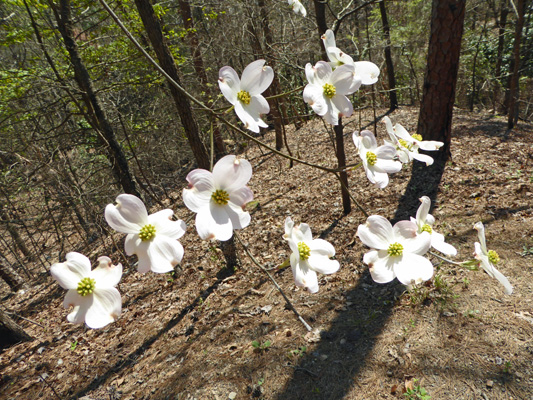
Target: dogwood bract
{"points": [[245, 94], [365, 72], [298, 7], [327, 90], [489, 258], [424, 221], [397, 252], [219, 197], [408, 145], [309, 255], [93, 295], [377, 161], [153, 238]]}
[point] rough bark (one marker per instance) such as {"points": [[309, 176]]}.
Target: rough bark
{"points": [[12, 277], [502, 21], [98, 119], [10, 332], [436, 109], [388, 57], [341, 163], [153, 28], [512, 115], [199, 68], [321, 24]]}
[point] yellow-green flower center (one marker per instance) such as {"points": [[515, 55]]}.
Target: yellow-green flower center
{"points": [[417, 136], [244, 97], [427, 228], [147, 232], [371, 158], [221, 197], [329, 90], [493, 257], [86, 286], [304, 250], [395, 249], [404, 143]]}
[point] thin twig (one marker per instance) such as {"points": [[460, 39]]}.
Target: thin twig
{"points": [[445, 259], [307, 326], [50, 386]]}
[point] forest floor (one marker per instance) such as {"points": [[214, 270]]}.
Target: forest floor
{"points": [[209, 333]]}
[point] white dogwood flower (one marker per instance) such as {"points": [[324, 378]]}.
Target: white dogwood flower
{"points": [[298, 7], [489, 258], [92, 294], [309, 255], [327, 90], [377, 161], [424, 221], [365, 72], [218, 198], [408, 145], [245, 94], [397, 252], [153, 238]]}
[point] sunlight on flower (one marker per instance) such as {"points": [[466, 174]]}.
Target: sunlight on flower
{"points": [[218, 198], [92, 294], [298, 7], [309, 255], [245, 94], [396, 252], [488, 258], [153, 238]]}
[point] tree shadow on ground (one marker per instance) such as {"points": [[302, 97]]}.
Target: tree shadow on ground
{"points": [[332, 369]]}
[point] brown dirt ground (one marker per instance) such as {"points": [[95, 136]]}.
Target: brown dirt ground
{"points": [[189, 336]]}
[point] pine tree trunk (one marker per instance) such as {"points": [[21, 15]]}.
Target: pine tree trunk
{"points": [[155, 35], [98, 120], [436, 109], [512, 115], [388, 57]]}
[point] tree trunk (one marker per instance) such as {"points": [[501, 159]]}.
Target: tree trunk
{"points": [[341, 163], [155, 34], [321, 24], [436, 109], [512, 115], [98, 120], [15, 235], [388, 58], [12, 277], [10, 332], [502, 21], [274, 89], [199, 68]]}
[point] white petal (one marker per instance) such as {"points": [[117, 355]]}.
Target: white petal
{"points": [[310, 73], [380, 179], [132, 243], [289, 225], [329, 39], [214, 223], [402, 133], [201, 186], [239, 218], [132, 209], [81, 305], [229, 84], [303, 275], [430, 145], [411, 268], [338, 57], [367, 71], [342, 79], [106, 308], [388, 166], [256, 78], [242, 196], [494, 273], [422, 158], [419, 244], [314, 96], [323, 264], [69, 273], [302, 233], [438, 243], [481, 235], [106, 275], [377, 233], [323, 71], [231, 173], [380, 266], [342, 104], [386, 151], [321, 247], [249, 121], [423, 211], [165, 226], [164, 253]]}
